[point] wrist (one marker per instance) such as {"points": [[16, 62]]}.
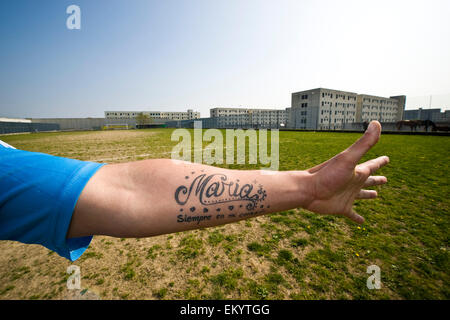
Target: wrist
{"points": [[304, 187]]}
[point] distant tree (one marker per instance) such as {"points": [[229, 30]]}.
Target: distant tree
{"points": [[365, 125], [142, 119]]}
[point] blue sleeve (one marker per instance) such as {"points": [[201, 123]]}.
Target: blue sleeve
{"points": [[38, 193]]}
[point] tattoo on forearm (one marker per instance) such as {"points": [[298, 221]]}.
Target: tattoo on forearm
{"points": [[237, 199], [216, 188]]}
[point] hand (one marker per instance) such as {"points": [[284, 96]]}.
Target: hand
{"points": [[340, 180]]}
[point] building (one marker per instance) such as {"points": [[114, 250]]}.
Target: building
{"points": [[423, 114], [442, 117], [321, 108], [249, 118], [129, 117], [380, 108]]}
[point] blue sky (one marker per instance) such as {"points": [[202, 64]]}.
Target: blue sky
{"points": [[174, 55]]}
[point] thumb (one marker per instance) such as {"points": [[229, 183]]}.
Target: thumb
{"points": [[367, 141]]}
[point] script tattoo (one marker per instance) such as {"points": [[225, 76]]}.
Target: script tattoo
{"points": [[211, 189]]}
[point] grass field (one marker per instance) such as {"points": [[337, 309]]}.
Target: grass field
{"points": [[287, 255]]}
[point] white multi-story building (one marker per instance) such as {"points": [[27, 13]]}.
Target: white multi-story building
{"points": [[379, 108], [335, 109], [322, 109], [246, 117], [125, 116]]}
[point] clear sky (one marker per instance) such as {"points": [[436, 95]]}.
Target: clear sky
{"points": [[173, 55]]}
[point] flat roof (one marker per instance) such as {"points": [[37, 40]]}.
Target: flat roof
{"points": [[325, 89], [377, 97], [251, 109]]}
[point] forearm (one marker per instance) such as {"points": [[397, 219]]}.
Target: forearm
{"points": [[153, 197]]}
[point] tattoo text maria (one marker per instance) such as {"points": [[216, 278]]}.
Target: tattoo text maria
{"points": [[216, 189]]}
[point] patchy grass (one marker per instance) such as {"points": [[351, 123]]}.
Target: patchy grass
{"points": [[286, 255], [190, 247]]}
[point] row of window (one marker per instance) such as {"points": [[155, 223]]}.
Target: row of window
{"points": [[335, 120], [164, 118], [231, 112], [245, 122], [388, 102], [254, 116], [337, 112], [378, 112], [338, 104], [338, 96], [365, 106], [158, 114]]}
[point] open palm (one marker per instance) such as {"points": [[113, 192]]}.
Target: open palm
{"points": [[340, 180]]}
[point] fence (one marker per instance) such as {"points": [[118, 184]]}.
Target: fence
{"points": [[17, 127]]}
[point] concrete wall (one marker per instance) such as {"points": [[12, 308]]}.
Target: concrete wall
{"points": [[18, 127], [385, 126], [220, 123], [92, 123], [74, 123], [207, 123]]}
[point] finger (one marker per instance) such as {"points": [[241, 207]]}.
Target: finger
{"points": [[374, 181], [367, 194], [355, 217], [375, 164], [367, 141]]}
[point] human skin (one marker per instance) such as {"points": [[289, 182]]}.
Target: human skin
{"points": [[154, 197]]}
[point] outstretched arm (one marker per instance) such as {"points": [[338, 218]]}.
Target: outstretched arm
{"points": [[153, 197]]}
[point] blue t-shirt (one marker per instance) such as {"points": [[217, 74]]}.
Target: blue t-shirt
{"points": [[38, 193]]}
